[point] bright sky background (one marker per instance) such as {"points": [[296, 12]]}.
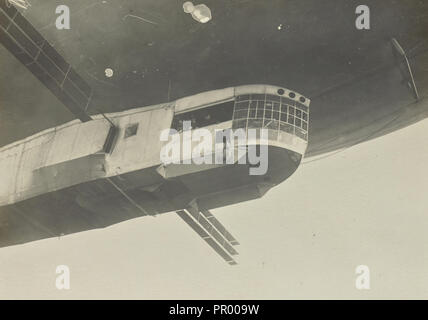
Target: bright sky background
{"points": [[366, 205]]}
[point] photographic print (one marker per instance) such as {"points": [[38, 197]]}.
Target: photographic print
{"points": [[213, 150]]}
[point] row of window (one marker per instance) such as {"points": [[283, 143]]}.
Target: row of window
{"points": [[271, 110], [249, 111], [271, 124], [205, 116], [271, 98]]}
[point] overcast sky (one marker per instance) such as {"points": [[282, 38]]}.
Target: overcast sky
{"points": [[366, 205]]}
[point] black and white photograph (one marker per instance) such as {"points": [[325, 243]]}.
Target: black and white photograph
{"points": [[213, 150]]}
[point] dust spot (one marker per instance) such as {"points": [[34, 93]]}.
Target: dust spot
{"points": [[200, 12], [108, 72]]}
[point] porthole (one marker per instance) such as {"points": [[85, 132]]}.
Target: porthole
{"points": [[280, 92], [292, 95]]}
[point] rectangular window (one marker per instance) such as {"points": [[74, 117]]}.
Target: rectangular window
{"points": [[305, 116], [260, 97], [288, 101], [252, 113], [241, 114], [284, 108], [207, 116], [305, 126], [260, 112], [253, 105], [244, 97], [302, 106], [241, 105], [273, 98]]}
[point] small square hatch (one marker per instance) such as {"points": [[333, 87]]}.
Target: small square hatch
{"points": [[131, 130]]}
